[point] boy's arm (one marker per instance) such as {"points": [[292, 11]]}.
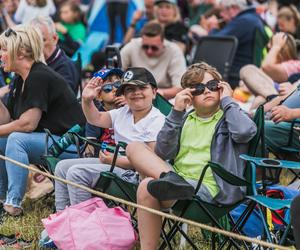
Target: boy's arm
{"points": [[167, 140], [168, 137], [240, 125]]}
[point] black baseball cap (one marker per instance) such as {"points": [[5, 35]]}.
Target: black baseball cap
{"points": [[136, 76]]}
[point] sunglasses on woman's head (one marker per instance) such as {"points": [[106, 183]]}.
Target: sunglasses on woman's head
{"points": [[9, 31], [212, 85], [109, 86]]}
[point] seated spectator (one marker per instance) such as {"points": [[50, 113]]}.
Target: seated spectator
{"points": [[106, 101], [29, 9], [54, 56], [136, 121], [139, 19], [40, 99], [162, 58], [238, 16], [168, 15], [220, 138], [71, 29], [279, 64], [288, 20]]}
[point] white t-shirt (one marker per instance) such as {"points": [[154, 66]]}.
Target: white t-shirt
{"points": [[144, 130]]}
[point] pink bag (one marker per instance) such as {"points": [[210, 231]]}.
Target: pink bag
{"points": [[91, 225]]}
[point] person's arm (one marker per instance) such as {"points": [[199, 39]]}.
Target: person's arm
{"points": [[270, 64], [5, 116], [274, 102], [93, 116], [168, 138], [126, 55], [131, 29], [235, 116], [176, 69], [283, 114], [169, 93], [27, 122]]}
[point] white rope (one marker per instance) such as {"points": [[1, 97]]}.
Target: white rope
{"points": [[150, 210]]}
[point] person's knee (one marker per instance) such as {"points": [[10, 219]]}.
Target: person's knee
{"points": [[143, 196], [247, 70], [134, 147], [59, 169], [15, 139]]}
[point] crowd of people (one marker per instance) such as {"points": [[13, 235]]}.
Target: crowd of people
{"points": [[40, 89]]}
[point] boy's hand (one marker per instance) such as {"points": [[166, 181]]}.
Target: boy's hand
{"points": [[92, 89], [226, 90], [106, 157], [120, 101], [183, 99]]}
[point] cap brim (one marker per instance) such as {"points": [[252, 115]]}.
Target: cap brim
{"points": [[120, 90], [163, 1]]}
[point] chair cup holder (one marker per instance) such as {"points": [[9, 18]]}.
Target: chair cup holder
{"points": [[271, 163]]}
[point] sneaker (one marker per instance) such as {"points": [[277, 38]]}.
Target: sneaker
{"points": [[13, 211], [170, 186]]}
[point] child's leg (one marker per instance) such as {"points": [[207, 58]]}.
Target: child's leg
{"points": [[149, 224], [61, 190], [145, 161], [86, 175]]}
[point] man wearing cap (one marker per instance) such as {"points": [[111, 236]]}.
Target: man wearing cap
{"points": [[162, 58], [136, 121]]}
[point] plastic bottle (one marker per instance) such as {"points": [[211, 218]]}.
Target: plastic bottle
{"points": [[64, 141]]}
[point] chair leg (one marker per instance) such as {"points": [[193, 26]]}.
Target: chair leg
{"points": [[285, 233]]}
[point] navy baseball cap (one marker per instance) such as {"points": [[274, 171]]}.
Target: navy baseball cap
{"points": [[136, 76], [104, 73]]}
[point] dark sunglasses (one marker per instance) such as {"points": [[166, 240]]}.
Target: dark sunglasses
{"points": [[212, 85], [9, 31], [109, 86], [152, 47]]}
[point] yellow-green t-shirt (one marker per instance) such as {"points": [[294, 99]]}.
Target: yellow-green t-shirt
{"points": [[194, 152]]}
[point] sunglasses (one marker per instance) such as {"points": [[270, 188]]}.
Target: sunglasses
{"points": [[152, 47], [212, 85], [9, 31], [107, 88]]}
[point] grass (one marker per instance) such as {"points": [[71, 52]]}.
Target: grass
{"points": [[29, 226]]}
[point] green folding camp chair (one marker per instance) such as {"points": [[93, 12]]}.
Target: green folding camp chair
{"points": [[204, 212]]}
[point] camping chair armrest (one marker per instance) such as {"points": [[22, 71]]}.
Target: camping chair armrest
{"points": [[222, 173], [270, 163], [227, 176]]}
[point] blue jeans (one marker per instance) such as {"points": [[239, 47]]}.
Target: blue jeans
{"points": [[25, 148]]}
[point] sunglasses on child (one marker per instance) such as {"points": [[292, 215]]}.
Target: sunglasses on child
{"points": [[109, 86], [212, 85], [152, 47]]}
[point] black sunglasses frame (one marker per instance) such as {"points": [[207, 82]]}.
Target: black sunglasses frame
{"points": [[212, 85]]}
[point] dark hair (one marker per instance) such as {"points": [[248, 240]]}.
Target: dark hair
{"points": [[152, 29], [41, 3], [76, 9]]}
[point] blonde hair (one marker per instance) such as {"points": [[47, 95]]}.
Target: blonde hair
{"points": [[23, 40], [195, 74]]}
